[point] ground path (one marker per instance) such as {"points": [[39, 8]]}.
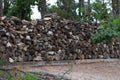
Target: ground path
{"points": [[84, 71]]}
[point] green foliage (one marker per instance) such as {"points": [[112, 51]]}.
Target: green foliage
{"points": [[51, 8], [21, 9], [30, 77], [68, 9], [38, 3], [11, 75], [82, 12], [107, 31], [6, 6], [11, 78], [83, 17], [64, 8], [75, 11], [99, 11], [27, 76]]}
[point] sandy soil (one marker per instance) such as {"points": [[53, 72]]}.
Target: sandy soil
{"points": [[84, 71]]}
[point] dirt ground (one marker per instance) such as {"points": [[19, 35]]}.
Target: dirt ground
{"points": [[83, 71]]}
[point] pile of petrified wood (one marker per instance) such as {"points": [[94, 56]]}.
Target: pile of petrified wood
{"points": [[51, 38]]}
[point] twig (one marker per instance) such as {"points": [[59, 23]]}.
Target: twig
{"points": [[69, 70]]}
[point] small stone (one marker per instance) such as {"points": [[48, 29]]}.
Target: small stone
{"points": [[9, 44], [82, 56], [8, 34], [21, 37], [20, 59], [105, 45], [47, 18], [24, 26], [51, 53], [28, 38], [50, 33], [70, 33], [3, 18], [34, 22], [21, 45], [38, 58], [25, 22], [59, 51], [101, 56], [11, 60], [25, 48], [30, 30]]}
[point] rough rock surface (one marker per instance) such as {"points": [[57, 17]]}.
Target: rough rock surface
{"points": [[51, 38]]}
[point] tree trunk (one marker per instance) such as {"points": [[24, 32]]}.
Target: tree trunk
{"points": [[116, 8], [43, 8], [1, 8], [81, 9], [82, 3], [88, 10]]}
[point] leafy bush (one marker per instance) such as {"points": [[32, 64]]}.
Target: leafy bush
{"points": [[27, 76], [107, 30], [99, 10]]}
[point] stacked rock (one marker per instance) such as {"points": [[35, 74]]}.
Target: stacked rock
{"points": [[51, 38]]}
